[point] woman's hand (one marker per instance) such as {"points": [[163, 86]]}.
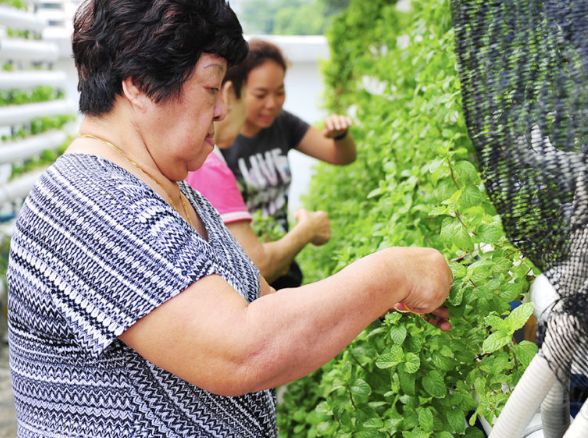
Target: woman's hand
{"points": [[336, 126], [317, 222], [441, 319]]}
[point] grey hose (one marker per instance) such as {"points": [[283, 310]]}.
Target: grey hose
{"points": [[555, 411]]}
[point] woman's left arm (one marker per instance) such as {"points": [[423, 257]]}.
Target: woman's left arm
{"points": [[334, 144]]}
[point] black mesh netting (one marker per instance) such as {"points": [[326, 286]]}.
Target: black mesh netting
{"points": [[524, 72]]}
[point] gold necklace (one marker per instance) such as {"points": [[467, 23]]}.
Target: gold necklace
{"points": [[134, 163]]}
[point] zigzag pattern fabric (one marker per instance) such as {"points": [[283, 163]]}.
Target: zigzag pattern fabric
{"points": [[95, 249]]}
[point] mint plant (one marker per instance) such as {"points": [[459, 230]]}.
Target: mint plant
{"points": [[415, 183]]}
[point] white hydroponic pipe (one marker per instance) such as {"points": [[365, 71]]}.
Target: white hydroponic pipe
{"points": [[533, 387], [17, 19], [555, 408], [26, 80], [579, 427], [22, 49], [18, 114], [29, 147], [524, 400], [19, 188]]}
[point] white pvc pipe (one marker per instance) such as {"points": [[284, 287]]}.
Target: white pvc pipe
{"points": [[555, 410], [21, 49], [543, 295], [26, 80], [524, 400], [29, 147], [23, 20], [20, 187], [18, 114], [579, 427]]}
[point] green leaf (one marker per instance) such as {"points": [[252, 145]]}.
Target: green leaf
{"points": [[387, 360], [407, 382], [412, 363], [453, 233], [495, 341], [471, 196], [457, 269], [398, 334], [525, 351], [426, 420], [490, 233], [433, 383], [511, 291], [466, 173], [519, 316], [361, 388], [456, 419], [374, 423]]}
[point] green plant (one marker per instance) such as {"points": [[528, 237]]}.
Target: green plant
{"points": [[415, 183], [18, 4], [42, 93], [44, 159]]}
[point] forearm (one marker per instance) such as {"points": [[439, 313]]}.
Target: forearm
{"points": [[210, 336], [345, 150], [278, 255], [304, 328]]}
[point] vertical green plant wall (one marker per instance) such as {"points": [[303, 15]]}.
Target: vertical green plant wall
{"points": [[415, 183]]}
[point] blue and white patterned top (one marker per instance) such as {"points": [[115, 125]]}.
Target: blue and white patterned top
{"points": [[95, 249]]}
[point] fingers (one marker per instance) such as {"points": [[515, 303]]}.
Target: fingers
{"points": [[441, 319], [322, 228], [336, 124], [428, 278]]}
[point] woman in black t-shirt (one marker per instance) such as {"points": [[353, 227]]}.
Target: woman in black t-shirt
{"points": [[259, 155]]}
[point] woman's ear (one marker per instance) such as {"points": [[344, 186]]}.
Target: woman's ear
{"points": [[228, 94], [133, 94]]}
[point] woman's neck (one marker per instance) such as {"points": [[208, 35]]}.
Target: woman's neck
{"points": [[249, 129]]}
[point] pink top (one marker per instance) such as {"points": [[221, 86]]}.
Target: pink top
{"points": [[217, 183]]}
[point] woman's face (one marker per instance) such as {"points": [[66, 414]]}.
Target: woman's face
{"points": [[180, 131], [265, 96]]}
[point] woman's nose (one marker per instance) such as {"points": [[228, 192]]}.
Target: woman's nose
{"points": [[220, 108]]}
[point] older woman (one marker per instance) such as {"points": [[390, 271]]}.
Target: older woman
{"points": [[133, 311]]}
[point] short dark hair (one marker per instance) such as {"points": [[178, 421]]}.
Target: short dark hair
{"points": [[157, 43], [261, 51]]}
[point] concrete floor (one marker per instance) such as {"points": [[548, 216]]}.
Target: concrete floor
{"points": [[7, 413]]}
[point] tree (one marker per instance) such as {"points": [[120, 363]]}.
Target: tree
{"points": [[289, 17]]}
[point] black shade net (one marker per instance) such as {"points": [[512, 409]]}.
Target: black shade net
{"points": [[523, 66]]}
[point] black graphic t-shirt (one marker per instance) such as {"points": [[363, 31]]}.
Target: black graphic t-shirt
{"points": [[260, 164]]}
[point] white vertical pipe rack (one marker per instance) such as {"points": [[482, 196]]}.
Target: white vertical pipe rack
{"points": [[23, 54]]}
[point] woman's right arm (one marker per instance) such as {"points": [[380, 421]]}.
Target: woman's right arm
{"points": [[210, 336], [273, 258]]}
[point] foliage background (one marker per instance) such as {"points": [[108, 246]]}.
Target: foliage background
{"points": [[288, 17], [415, 182]]}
